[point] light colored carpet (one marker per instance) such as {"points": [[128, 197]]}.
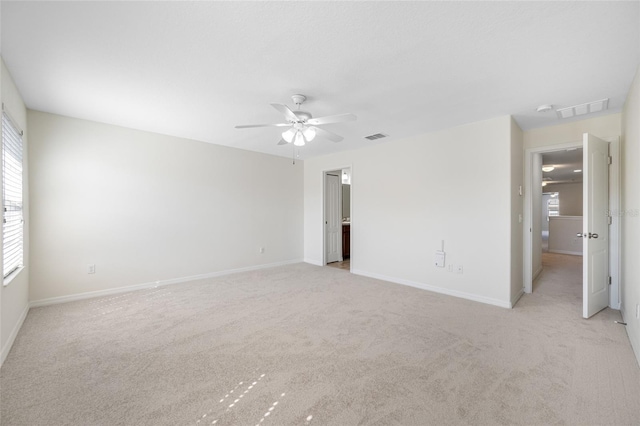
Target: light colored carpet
{"points": [[305, 345]]}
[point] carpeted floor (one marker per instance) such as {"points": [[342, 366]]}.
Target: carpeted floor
{"points": [[305, 345]]}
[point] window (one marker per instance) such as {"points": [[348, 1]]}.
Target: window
{"points": [[553, 205], [12, 224]]}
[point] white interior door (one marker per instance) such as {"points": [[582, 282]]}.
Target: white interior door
{"points": [[332, 218], [595, 235]]}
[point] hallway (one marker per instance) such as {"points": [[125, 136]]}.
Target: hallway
{"points": [[561, 277]]}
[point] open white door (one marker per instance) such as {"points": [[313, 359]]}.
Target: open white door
{"points": [[595, 236], [332, 218]]}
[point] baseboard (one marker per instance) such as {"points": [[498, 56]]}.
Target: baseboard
{"points": [[455, 293], [12, 337], [538, 272], [574, 253], [153, 284], [629, 328], [517, 297], [313, 262]]}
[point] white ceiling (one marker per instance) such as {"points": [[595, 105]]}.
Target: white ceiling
{"points": [[564, 163], [197, 69]]}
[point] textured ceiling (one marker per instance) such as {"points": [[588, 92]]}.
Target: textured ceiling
{"points": [[197, 69]]}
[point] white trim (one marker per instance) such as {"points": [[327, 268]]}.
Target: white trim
{"points": [[324, 212], [7, 280], [635, 348], [314, 262], [614, 205], [455, 293], [12, 337], [615, 242], [537, 273], [528, 207], [517, 297], [324, 194], [574, 253], [108, 292]]}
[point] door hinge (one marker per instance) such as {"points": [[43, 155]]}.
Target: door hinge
{"points": [[609, 160], [609, 280], [610, 220]]}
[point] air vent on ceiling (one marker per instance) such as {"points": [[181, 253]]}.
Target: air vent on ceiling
{"points": [[582, 109], [376, 136]]}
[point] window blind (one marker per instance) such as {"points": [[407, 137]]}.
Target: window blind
{"points": [[12, 226]]}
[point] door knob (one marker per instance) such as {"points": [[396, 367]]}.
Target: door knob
{"points": [[579, 235], [593, 235]]}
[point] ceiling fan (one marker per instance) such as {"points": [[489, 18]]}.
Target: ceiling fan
{"points": [[302, 126]]}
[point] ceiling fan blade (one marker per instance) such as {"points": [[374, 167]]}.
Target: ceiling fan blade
{"points": [[286, 111], [327, 134], [341, 118], [248, 126], [282, 142]]}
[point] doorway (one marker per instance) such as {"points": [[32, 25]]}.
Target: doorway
{"points": [[550, 208], [533, 252], [337, 216]]}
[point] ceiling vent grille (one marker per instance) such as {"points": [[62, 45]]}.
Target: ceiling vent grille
{"points": [[582, 109], [376, 136]]}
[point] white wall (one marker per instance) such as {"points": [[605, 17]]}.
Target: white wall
{"points": [[517, 189], [14, 297], [145, 207], [570, 195], [630, 283], [604, 127], [536, 221], [410, 194], [562, 234]]}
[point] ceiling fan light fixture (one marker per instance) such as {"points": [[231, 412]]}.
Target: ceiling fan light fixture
{"points": [[301, 126], [547, 169], [309, 133], [299, 140], [289, 135]]}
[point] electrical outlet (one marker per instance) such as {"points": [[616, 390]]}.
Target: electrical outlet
{"points": [[451, 267], [459, 269], [91, 269], [261, 250]]}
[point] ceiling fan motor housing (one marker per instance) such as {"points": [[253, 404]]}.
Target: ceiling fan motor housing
{"points": [[303, 115], [298, 99], [300, 130]]}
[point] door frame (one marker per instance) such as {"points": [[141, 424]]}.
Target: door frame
{"points": [[324, 195], [339, 208], [614, 208]]}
